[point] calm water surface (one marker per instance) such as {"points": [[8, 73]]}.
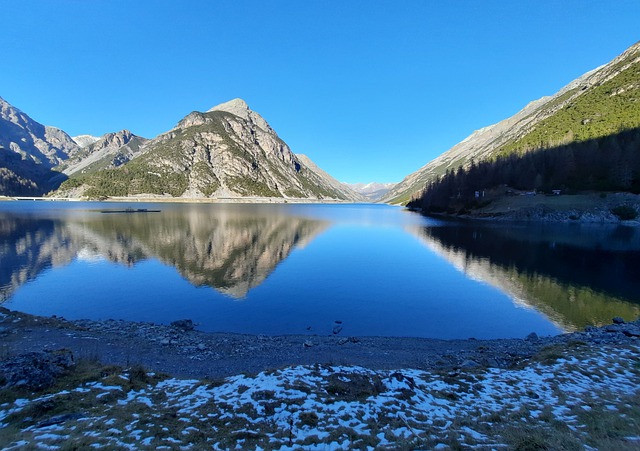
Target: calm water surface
{"points": [[300, 269]]}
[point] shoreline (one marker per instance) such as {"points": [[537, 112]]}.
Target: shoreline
{"points": [[185, 352], [591, 208], [187, 200]]}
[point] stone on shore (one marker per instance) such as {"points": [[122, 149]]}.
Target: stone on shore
{"points": [[183, 324], [35, 370]]}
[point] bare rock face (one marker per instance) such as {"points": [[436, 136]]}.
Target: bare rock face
{"points": [[44, 145], [239, 107], [28, 152], [109, 151]]}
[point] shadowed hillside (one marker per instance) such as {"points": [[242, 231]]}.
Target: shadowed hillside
{"points": [[610, 163]]}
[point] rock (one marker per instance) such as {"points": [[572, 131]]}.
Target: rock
{"points": [[201, 347], [397, 375], [165, 342], [35, 370], [491, 363], [354, 386], [631, 332], [532, 337], [337, 329], [183, 324], [618, 320], [309, 344], [611, 328], [343, 341], [469, 364], [59, 419]]}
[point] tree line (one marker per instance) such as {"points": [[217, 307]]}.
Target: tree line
{"points": [[610, 163]]}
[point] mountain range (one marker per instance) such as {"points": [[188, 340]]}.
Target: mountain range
{"points": [[373, 191], [231, 151], [226, 152], [601, 102]]}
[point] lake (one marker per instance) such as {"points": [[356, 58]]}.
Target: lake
{"points": [[352, 270]]}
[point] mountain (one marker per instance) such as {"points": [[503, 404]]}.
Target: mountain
{"points": [[228, 151], [109, 151], [85, 140], [28, 152], [372, 191], [39, 143], [347, 191], [599, 103]]}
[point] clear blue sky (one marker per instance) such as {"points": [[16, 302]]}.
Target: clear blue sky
{"points": [[370, 90]]}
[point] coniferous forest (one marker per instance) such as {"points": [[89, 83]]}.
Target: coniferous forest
{"points": [[610, 163]]}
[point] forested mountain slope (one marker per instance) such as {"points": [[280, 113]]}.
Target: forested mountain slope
{"points": [[601, 103]]}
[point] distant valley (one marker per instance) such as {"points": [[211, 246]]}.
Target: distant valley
{"points": [[372, 191]]}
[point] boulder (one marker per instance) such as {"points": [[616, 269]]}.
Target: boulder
{"points": [[35, 370], [532, 337], [183, 324]]}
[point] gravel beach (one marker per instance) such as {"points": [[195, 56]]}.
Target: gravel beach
{"points": [[187, 352]]}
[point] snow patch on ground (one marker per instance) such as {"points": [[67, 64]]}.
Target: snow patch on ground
{"points": [[339, 407]]}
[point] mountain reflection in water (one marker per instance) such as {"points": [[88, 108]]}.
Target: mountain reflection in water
{"points": [[302, 269], [576, 274], [232, 250]]}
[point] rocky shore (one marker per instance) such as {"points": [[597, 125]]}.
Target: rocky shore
{"points": [[590, 208], [181, 350], [123, 385]]}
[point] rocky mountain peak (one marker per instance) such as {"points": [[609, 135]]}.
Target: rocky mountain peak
{"points": [[21, 135], [13, 115], [115, 140], [84, 140], [108, 151], [236, 106], [239, 107], [192, 119]]}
